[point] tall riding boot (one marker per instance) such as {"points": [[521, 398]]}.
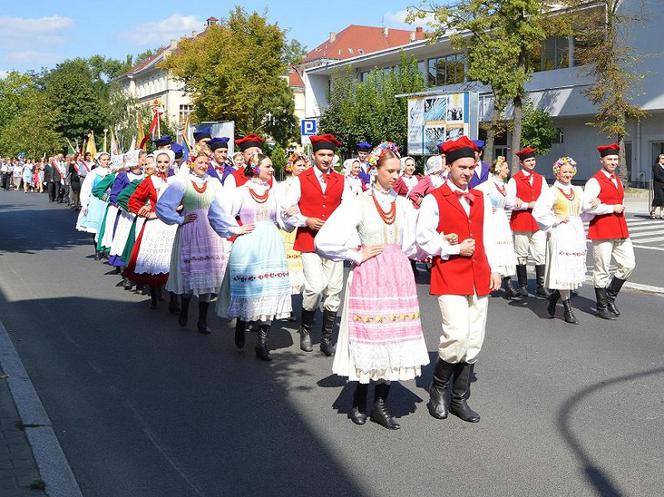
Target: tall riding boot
{"points": [[184, 311], [522, 278], [358, 414], [154, 297], [262, 351], [305, 330], [569, 314], [438, 404], [240, 329], [202, 318], [611, 293], [173, 306], [602, 309], [553, 300], [461, 393], [539, 274], [327, 346], [380, 414], [509, 291]]}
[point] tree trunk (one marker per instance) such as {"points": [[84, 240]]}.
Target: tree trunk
{"points": [[517, 116], [488, 146]]}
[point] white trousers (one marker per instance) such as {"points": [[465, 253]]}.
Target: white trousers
{"points": [[621, 250], [464, 324], [535, 242], [323, 279]]}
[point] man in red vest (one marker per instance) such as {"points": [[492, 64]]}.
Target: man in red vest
{"points": [[317, 193], [523, 190], [461, 277], [249, 145], [603, 196]]}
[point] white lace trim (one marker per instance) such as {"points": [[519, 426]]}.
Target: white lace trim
{"points": [[393, 356], [268, 308]]}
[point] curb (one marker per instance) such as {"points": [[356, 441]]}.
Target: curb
{"points": [[51, 461]]}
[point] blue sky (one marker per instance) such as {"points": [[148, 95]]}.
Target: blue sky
{"points": [[41, 33]]}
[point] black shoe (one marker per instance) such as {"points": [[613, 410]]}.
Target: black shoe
{"points": [[602, 309], [97, 256], [522, 278], [262, 351], [358, 414], [569, 314], [117, 270], [380, 414], [461, 393], [553, 300], [305, 330], [509, 290], [438, 404], [611, 293], [154, 299], [327, 346], [202, 318], [184, 312], [539, 275], [240, 328], [126, 284], [173, 306]]}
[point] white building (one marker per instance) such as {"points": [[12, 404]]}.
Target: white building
{"points": [[558, 88]]}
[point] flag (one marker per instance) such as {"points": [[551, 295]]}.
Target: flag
{"points": [[92, 146], [154, 125], [133, 144], [185, 137], [115, 150], [140, 134], [83, 146], [70, 148]]}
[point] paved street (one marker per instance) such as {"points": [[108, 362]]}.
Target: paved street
{"points": [[143, 408]]}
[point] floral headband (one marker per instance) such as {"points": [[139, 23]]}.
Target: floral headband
{"points": [[564, 161], [379, 150]]}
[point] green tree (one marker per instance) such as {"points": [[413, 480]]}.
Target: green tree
{"points": [[15, 89], [538, 130], [294, 52], [498, 36], [369, 110], [234, 71], [279, 159]]}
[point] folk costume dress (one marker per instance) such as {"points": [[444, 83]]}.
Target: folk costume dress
{"points": [[151, 256], [92, 208], [380, 337], [112, 212], [125, 233], [495, 190], [198, 261], [257, 285], [294, 257], [566, 242], [103, 192]]}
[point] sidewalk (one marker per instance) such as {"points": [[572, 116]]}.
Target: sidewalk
{"points": [[18, 469]]}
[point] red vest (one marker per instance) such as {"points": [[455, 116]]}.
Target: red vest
{"points": [[461, 275], [608, 226], [315, 203], [524, 220]]}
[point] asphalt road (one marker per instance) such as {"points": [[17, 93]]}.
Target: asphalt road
{"points": [[144, 408]]}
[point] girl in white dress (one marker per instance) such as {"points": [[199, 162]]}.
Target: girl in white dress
{"points": [[558, 213], [352, 174]]}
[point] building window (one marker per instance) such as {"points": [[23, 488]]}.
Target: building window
{"points": [[185, 111], [553, 53], [446, 70], [559, 136]]}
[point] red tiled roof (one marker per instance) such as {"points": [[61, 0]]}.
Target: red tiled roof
{"points": [[142, 65], [358, 40], [294, 78]]}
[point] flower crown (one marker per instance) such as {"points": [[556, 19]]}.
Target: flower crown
{"points": [[379, 150], [562, 162]]}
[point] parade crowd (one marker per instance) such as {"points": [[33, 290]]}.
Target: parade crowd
{"points": [[223, 232]]}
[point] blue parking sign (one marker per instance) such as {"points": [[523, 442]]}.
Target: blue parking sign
{"points": [[308, 127]]}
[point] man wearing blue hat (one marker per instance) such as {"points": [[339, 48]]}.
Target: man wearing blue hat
{"points": [[363, 148], [178, 150], [219, 167], [482, 169], [163, 143], [201, 138]]}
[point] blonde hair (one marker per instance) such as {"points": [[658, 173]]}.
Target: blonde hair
{"points": [[497, 164]]}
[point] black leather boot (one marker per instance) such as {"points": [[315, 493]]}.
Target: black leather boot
{"points": [[240, 328], [438, 404], [358, 414], [509, 290], [173, 306], [553, 300], [602, 309], [126, 283], [154, 297], [569, 314], [380, 414], [262, 351], [305, 330], [522, 278], [539, 274], [184, 311], [327, 346], [202, 318], [463, 372], [611, 293]]}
